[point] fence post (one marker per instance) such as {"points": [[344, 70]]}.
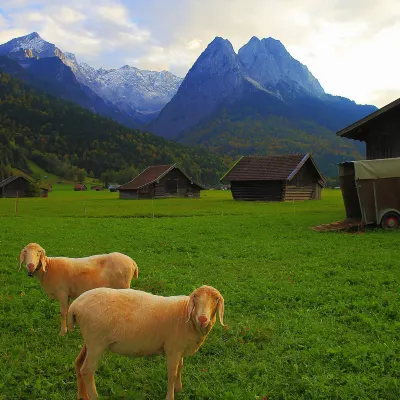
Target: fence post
{"points": [[16, 206]]}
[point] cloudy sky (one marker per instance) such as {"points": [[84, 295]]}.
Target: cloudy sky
{"points": [[351, 46]]}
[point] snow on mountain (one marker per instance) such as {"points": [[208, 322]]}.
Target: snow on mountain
{"points": [[128, 87], [139, 93]]}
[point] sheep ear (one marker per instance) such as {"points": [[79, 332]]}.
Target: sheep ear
{"points": [[43, 260], [21, 259], [221, 309], [136, 273], [190, 307]]}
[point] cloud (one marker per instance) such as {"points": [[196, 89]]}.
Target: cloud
{"points": [[349, 45]]}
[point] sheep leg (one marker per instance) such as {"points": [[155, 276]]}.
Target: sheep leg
{"points": [[88, 369], [178, 381], [64, 301], [82, 393], [173, 361]]}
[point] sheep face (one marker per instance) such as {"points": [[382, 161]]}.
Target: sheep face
{"points": [[203, 305], [34, 257]]}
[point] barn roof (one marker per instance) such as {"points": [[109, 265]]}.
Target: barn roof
{"points": [[269, 168], [356, 130], [11, 179], [150, 175], [79, 186]]}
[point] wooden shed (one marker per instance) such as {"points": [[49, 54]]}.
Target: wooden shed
{"points": [[79, 187], [19, 186], [275, 178], [160, 181], [379, 130]]}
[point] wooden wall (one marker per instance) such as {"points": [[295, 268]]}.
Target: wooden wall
{"points": [[19, 187], [303, 186], [257, 190], [383, 136], [174, 184]]}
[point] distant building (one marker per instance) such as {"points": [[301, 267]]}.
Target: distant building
{"points": [[379, 131], [275, 178], [160, 181], [19, 186], [79, 187], [97, 187]]}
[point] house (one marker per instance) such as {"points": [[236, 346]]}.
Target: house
{"points": [[97, 187], [275, 178], [79, 187], [19, 186], [160, 181], [379, 131]]}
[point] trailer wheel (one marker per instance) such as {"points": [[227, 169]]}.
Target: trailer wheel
{"points": [[391, 220]]}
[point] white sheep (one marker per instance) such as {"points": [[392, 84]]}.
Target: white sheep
{"points": [[135, 323], [65, 278]]}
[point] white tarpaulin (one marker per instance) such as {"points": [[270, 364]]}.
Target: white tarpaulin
{"points": [[377, 169]]}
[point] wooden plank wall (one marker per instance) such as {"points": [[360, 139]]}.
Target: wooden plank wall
{"points": [[257, 190], [383, 139], [297, 193]]}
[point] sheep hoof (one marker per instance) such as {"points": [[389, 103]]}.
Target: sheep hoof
{"points": [[62, 333]]}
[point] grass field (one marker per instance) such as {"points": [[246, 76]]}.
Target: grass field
{"points": [[311, 315]]}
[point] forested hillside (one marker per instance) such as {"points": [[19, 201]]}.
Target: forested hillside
{"points": [[65, 139]]}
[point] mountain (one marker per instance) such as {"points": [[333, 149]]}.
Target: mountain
{"points": [[53, 76], [139, 93], [268, 62], [62, 137], [259, 101], [130, 95]]}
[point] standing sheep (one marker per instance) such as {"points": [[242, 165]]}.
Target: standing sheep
{"points": [[65, 278], [135, 323]]}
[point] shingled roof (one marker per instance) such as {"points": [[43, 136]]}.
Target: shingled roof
{"points": [[269, 168], [13, 178], [151, 175]]}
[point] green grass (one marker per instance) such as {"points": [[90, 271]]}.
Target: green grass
{"points": [[311, 315]]}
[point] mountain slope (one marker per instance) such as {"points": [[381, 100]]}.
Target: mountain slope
{"points": [[259, 101], [57, 135], [135, 95], [268, 62], [54, 77]]}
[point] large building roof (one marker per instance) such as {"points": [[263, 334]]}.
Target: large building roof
{"points": [[151, 175], [269, 168]]}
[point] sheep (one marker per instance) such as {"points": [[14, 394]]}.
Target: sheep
{"points": [[136, 323], [65, 278]]}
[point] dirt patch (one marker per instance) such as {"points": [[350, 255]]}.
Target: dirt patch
{"points": [[346, 225]]}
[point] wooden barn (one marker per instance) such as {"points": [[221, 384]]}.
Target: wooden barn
{"points": [[80, 187], [19, 186], [160, 181], [275, 178], [379, 131]]}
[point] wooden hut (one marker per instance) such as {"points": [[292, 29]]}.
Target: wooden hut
{"points": [[160, 181], [20, 186], [97, 188], [379, 130], [275, 178], [79, 187]]}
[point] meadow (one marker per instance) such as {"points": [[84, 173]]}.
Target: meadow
{"points": [[311, 315]]}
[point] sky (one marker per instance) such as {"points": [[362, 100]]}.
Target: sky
{"points": [[350, 46]]}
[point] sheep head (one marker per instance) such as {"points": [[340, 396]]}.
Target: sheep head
{"points": [[34, 257], [203, 305]]}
